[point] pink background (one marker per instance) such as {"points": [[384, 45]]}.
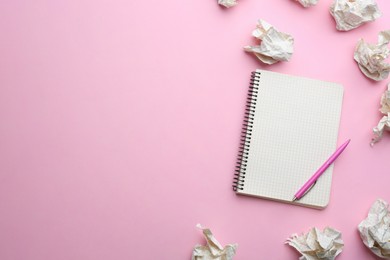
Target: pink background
{"points": [[120, 126]]}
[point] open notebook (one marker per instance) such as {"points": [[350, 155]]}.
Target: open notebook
{"points": [[290, 129]]}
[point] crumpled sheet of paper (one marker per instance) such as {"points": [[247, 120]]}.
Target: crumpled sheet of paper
{"points": [[307, 3], [350, 14], [384, 123], [317, 244], [371, 57], [227, 3], [274, 45], [213, 250], [375, 229]]}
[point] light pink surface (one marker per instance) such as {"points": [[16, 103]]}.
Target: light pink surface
{"points": [[120, 125]]}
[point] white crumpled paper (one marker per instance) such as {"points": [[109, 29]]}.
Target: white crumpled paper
{"points": [[213, 250], [350, 14], [274, 45], [317, 244], [371, 57], [384, 123], [307, 3], [227, 3], [385, 101], [375, 229]]}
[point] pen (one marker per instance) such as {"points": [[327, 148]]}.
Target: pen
{"points": [[309, 184]]}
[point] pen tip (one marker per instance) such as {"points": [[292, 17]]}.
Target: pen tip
{"points": [[294, 199]]}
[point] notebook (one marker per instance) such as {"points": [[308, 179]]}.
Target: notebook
{"points": [[290, 129]]}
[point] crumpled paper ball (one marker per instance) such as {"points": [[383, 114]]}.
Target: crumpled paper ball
{"points": [[385, 101], [317, 244], [375, 229], [371, 57], [227, 3], [307, 3], [350, 14], [274, 45], [384, 123], [213, 250]]}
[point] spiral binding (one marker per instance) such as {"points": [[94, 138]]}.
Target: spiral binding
{"points": [[246, 132]]}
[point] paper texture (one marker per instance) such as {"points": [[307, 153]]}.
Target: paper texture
{"points": [[286, 145], [307, 3], [385, 101], [375, 229], [350, 14], [317, 244], [227, 3], [213, 250], [371, 57], [384, 123], [274, 46]]}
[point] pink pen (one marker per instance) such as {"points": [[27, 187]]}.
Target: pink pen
{"points": [[307, 186]]}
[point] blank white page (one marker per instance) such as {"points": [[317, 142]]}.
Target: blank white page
{"points": [[295, 130]]}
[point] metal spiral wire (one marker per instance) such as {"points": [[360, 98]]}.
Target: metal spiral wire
{"points": [[246, 132]]}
